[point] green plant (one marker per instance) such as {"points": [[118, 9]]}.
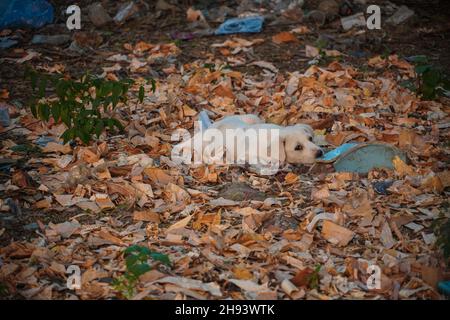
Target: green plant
{"points": [[314, 278], [442, 230], [82, 105], [136, 262], [3, 290], [431, 80]]}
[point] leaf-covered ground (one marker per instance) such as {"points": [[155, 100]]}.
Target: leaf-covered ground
{"points": [[304, 233]]}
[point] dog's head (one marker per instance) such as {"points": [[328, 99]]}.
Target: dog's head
{"points": [[298, 144]]}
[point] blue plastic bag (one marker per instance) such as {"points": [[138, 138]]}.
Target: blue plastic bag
{"points": [[333, 154], [25, 13], [241, 25]]}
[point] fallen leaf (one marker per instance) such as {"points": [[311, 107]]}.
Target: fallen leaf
{"points": [[336, 234], [283, 37], [148, 216]]}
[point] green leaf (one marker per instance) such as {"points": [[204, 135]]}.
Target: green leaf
{"points": [[419, 59], [33, 109], [141, 94], [139, 269], [153, 82], [161, 257], [68, 135], [422, 69], [99, 127], [42, 87], [56, 111], [44, 111]]}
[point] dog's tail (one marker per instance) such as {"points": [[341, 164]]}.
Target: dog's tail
{"points": [[204, 119]]}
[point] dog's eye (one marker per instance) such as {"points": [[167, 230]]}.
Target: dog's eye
{"points": [[310, 139], [298, 147]]}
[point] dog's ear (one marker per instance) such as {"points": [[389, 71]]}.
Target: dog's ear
{"points": [[306, 128]]}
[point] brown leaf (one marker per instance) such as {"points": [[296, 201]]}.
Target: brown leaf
{"points": [[148, 216], [336, 234], [105, 235], [291, 178], [180, 224], [283, 37], [57, 147], [159, 176], [401, 168]]}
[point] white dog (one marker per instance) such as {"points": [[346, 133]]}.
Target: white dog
{"points": [[293, 144]]}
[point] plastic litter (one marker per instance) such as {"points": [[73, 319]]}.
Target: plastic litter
{"points": [[6, 43], [6, 165], [444, 287], [333, 154], [356, 20], [126, 11], [241, 25], [25, 13], [43, 141], [363, 157], [382, 186], [5, 120]]}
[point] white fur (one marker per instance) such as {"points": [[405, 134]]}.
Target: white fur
{"points": [[290, 137]]}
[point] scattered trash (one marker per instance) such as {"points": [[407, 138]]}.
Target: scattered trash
{"points": [[382, 186], [6, 164], [6, 42], [55, 40], [31, 226], [444, 287], [43, 141], [333, 154], [401, 15], [5, 121], [98, 15], [25, 13], [364, 157], [14, 206], [125, 12], [241, 25], [356, 20]]}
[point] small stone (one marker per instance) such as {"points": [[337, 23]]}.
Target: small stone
{"points": [[55, 40], [241, 192], [98, 15], [31, 226], [329, 7]]}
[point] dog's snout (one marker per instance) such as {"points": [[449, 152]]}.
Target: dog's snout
{"points": [[319, 153]]}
